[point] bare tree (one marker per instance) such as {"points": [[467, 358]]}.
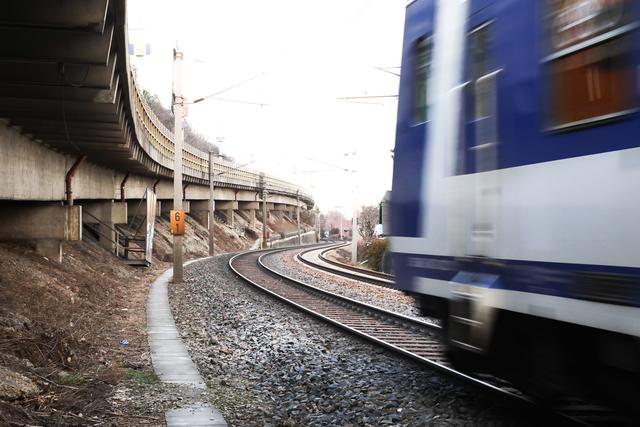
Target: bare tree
{"points": [[334, 219], [367, 221]]}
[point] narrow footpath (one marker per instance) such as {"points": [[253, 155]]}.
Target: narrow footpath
{"points": [[172, 363]]}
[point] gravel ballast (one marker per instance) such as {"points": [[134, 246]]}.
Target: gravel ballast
{"points": [[386, 298], [269, 364]]}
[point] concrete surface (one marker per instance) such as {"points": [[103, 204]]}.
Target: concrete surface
{"points": [[170, 358]]}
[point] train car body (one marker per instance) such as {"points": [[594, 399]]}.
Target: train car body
{"points": [[515, 210]]}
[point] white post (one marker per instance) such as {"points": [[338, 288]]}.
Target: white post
{"points": [[354, 232], [177, 159], [212, 205]]}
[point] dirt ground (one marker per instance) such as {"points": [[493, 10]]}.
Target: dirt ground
{"points": [[73, 345]]}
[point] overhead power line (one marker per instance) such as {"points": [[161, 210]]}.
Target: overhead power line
{"points": [[227, 89]]}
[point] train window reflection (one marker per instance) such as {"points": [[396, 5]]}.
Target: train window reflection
{"points": [[590, 72], [480, 44], [421, 78]]}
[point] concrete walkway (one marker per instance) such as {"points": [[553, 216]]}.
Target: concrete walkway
{"points": [[171, 360]]}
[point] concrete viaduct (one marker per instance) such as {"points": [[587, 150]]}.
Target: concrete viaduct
{"points": [[78, 142]]}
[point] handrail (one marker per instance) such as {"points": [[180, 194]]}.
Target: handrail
{"points": [[157, 141]]}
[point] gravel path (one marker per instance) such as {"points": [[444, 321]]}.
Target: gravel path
{"points": [[388, 299], [268, 364]]}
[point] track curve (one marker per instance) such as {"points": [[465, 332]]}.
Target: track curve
{"points": [[315, 258], [410, 337]]}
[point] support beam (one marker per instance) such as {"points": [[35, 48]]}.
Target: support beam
{"points": [[41, 222], [167, 206], [248, 205], [47, 225]]}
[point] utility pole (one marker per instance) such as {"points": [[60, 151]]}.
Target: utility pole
{"points": [[212, 205], [264, 218], [263, 191], [298, 216], [177, 159]]}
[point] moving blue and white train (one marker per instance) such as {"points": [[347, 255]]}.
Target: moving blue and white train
{"points": [[516, 187]]}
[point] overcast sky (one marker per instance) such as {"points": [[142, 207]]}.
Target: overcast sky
{"points": [[302, 56]]}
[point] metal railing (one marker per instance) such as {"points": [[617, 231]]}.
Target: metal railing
{"points": [[156, 140]]}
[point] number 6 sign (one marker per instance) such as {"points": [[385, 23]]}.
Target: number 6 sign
{"points": [[177, 222]]}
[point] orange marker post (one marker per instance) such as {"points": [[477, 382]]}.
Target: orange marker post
{"points": [[177, 222]]}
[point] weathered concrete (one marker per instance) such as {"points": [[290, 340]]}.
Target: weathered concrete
{"points": [[248, 205], [41, 222], [167, 205], [171, 360], [251, 213], [32, 172], [199, 210], [226, 205], [50, 248], [194, 416]]}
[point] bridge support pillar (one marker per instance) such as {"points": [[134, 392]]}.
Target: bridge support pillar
{"points": [[106, 215], [199, 210], [252, 217], [228, 206], [167, 205], [48, 225], [50, 248], [279, 210], [250, 209]]}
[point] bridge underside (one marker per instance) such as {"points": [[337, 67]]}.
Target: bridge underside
{"points": [[60, 79]]}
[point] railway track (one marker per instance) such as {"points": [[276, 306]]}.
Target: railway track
{"points": [[410, 337], [316, 258]]}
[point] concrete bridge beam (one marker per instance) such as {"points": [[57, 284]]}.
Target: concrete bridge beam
{"points": [[167, 205], [48, 225], [248, 205]]}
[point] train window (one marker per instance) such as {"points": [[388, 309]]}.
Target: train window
{"points": [[422, 65], [479, 46], [588, 62]]}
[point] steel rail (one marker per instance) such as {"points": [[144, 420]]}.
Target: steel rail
{"points": [[410, 337], [407, 336], [351, 272]]}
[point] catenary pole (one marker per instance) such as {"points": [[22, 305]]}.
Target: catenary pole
{"points": [[298, 216], [177, 159], [212, 206], [264, 218]]}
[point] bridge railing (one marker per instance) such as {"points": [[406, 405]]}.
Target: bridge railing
{"points": [[157, 141]]}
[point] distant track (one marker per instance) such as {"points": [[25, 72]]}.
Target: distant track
{"points": [[335, 267]]}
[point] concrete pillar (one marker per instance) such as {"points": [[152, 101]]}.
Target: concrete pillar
{"points": [[229, 214], [199, 210], [106, 214], [250, 208], [167, 205], [228, 206], [48, 225], [251, 213], [50, 248]]}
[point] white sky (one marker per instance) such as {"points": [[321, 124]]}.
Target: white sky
{"points": [[305, 54]]}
